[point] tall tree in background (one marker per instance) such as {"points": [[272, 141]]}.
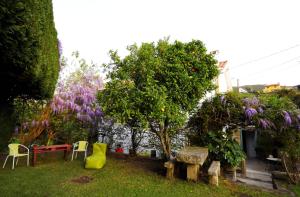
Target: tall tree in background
{"points": [[29, 49], [29, 52], [158, 85]]}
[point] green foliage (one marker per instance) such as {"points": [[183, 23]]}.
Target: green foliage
{"points": [[158, 85], [28, 47], [292, 94], [7, 122], [275, 117], [26, 110], [217, 112], [68, 130], [222, 147]]}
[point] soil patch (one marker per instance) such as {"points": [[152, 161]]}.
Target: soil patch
{"points": [[82, 180], [145, 163]]}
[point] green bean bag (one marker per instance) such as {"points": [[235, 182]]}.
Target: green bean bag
{"points": [[98, 158]]}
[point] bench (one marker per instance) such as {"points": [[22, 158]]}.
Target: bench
{"points": [[170, 165], [214, 172], [53, 148]]}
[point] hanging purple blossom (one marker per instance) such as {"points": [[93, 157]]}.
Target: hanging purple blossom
{"points": [[33, 123], [250, 112], [223, 100], [266, 124], [254, 101], [98, 112], [287, 118], [59, 46], [246, 101], [260, 110], [298, 116], [16, 130]]}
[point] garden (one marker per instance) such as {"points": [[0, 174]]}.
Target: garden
{"points": [[126, 124]]}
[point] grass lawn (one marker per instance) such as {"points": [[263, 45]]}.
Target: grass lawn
{"points": [[119, 177], [296, 190]]}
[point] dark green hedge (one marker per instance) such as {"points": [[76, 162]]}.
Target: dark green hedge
{"points": [[29, 54]]}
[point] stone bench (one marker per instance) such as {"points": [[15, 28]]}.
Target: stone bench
{"points": [[194, 157], [214, 172], [170, 165]]}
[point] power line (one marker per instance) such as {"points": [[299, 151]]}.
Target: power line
{"points": [[265, 57], [258, 74], [273, 67]]}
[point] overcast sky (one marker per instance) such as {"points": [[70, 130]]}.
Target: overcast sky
{"points": [[263, 33]]}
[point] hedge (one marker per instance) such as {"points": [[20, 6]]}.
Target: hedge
{"points": [[29, 49]]}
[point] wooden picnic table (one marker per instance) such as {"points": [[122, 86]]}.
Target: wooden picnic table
{"points": [[53, 148], [194, 157]]}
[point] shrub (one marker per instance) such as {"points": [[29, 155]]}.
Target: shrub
{"points": [[28, 47]]}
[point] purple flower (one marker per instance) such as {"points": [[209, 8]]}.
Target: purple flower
{"points": [[222, 98], [287, 118], [47, 123], [254, 101], [246, 101], [266, 124], [59, 46], [250, 112], [16, 130], [260, 110], [98, 112], [298, 116], [33, 123]]}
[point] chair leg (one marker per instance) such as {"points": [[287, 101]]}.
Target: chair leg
{"points": [[5, 161], [76, 155], [84, 155], [17, 161], [13, 164], [72, 156], [28, 160]]}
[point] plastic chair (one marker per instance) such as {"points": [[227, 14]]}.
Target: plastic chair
{"points": [[98, 158], [14, 152], [80, 146]]}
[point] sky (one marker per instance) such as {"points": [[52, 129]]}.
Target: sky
{"points": [[260, 39]]}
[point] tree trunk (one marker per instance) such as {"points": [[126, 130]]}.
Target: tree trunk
{"points": [[162, 133], [166, 144], [133, 141]]}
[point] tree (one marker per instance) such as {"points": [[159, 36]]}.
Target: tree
{"points": [[158, 85], [29, 50], [29, 56], [274, 115], [73, 113]]}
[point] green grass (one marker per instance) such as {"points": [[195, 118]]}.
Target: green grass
{"points": [[117, 178], [296, 190]]}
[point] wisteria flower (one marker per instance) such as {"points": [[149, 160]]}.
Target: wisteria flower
{"points": [[250, 112], [287, 118], [260, 110]]}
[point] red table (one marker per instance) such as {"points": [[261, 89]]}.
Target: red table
{"points": [[53, 148]]}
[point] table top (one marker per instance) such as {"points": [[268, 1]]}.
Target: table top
{"points": [[192, 155], [273, 159], [52, 146]]}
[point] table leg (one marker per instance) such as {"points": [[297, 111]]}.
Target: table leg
{"points": [[65, 154], [192, 172], [34, 159]]}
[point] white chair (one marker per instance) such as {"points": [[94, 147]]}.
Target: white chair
{"points": [[80, 146], [14, 153]]}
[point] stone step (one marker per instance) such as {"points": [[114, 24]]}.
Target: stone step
{"points": [[259, 175], [253, 182]]}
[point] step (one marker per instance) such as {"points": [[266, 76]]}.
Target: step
{"points": [[263, 184], [259, 175]]}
